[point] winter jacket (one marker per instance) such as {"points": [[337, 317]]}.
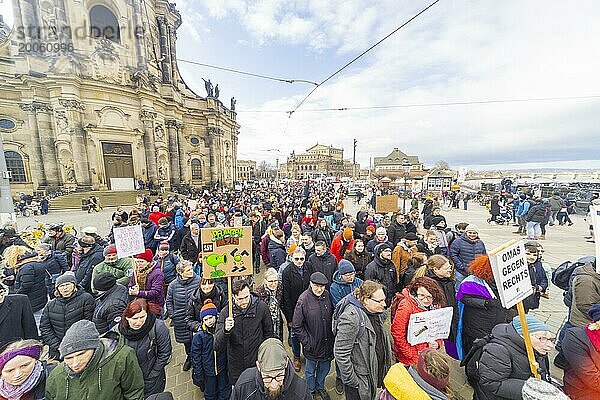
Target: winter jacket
{"points": [[148, 233], [539, 281], [277, 253], [252, 327], [85, 269], [113, 373], [165, 234], [109, 307], [122, 269], [401, 255], [504, 367], [60, 313], [31, 281], [65, 244], [524, 207], [585, 292], [153, 292], [384, 272], [56, 263], [262, 293], [193, 320], [293, 282], [481, 315], [360, 226], [324, 235], [355, 353], [327, 264], [537, 213], [205, 360], [359, 260], [556, 202], [188, 249], [311, 324], [395, 232], [16, 320], [370, 247], [250, 386], [336, 247], [406, 353], [494, 207], [178, 295], [463, 250], [582, 374], [178, 238], [448, 288], [167, 266], [153, 354], [340, 288]]}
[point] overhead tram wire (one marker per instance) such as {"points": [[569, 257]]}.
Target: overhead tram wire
{"points": [[360, 55]]}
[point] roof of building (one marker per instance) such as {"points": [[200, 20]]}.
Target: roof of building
{"points": [[395, 158], [322, 147]]}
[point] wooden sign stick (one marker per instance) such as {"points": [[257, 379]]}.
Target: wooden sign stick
{"points": [[533, 364], [230, 297]]}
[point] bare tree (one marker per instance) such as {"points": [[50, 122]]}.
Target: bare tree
{"points": [[442, 164]]}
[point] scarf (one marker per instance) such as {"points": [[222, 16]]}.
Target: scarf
{"points": [[136, 335], [11, 392], [594, 336], [379, 345], [274, 310], [142, 274]]}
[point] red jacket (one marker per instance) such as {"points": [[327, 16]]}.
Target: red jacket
{"points": [[336, 247], [405, 353]]}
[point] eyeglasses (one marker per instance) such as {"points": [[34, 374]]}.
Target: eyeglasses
{"points": [[422, 296], [544, 339], [298, 258], [382, 301], [272, 281], [268, 379]]}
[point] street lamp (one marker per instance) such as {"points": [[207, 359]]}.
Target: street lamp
{"points": [[406, 169]]}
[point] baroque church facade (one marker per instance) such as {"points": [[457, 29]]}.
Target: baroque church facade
{"points": [[90, 93]]}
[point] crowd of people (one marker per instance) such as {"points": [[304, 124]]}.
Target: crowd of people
{"points": [[77, 321]]}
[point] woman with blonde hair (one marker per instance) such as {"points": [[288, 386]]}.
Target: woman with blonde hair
{"points": [[22, 372]]}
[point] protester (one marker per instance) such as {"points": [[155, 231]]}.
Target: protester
{"points": [[149, 337], [277, 253], [147, 280], [344, 282], [323, 232], [166, 261], [380, 237], [463, 250], [121, 268], [359, 258], [71, 304], [272, 378], [246, 329], [312, 326], [271, 292], [111, 300], [403, 252], [16, 317], [22, 372], [322, 261], [206, 289], [60, 241], [54, 262], [382, 269], [343, 243], [537, 275], [90, 255]]}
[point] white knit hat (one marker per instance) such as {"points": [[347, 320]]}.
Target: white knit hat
{"points": [[537, 389]]}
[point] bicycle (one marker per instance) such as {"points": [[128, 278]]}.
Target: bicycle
{"points": [[34, 234]]}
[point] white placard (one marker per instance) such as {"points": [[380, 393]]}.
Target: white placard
{"points": [[428, 326], [122, 184], [511, 273], [595, 215], [193, 205], [237, 221], [129, 240]]}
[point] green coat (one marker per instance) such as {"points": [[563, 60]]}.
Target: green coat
{"points": [[121, 270], [113, 373]]}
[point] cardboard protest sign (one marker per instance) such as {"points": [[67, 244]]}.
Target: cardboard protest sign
{"points": [[129, 240], [428, 326], [595, 215], [226, 252], [386, 203], [511, 273]]}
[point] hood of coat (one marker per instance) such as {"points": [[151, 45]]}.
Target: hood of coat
{"points": [[287, 381], [508, 336]]}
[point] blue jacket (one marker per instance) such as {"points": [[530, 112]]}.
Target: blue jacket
{"points": [[523, 208], [168, 267], [165, 234], [463, 251], [148, 233], [340, 288], [205, 360]]}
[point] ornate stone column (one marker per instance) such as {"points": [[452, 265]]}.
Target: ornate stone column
{"points": [[172, 128], [37, 167], [163, 29], [183, 165], [74, 109], [148, 116]]}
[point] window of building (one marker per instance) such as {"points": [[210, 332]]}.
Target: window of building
{"points": [[7, 124], [103, 23], [196, 170], [14, 163], [194, 140]]}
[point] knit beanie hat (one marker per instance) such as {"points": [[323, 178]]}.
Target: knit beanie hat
{"points": [[380, 231], [438, 383], [67, 277], [110, 249], [594, 312], [104, 281], [347, 234], [534, 325], [472, 228], [146, 255], [164, 246], [537, 389], [208, 309], [345, 267], [82, 335]]}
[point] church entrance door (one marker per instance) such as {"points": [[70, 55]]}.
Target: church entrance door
{"points": [[118, 161]]}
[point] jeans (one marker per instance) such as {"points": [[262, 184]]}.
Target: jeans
{"points": [[295, 345], [217, 387], [315, 373], [37, 316], [458, 278], [533, 229], [522, 224]]}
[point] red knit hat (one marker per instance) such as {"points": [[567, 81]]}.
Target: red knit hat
{"points": [[146, 255]]}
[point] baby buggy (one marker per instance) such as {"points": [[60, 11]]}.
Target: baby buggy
{"points": [[504, 218]]}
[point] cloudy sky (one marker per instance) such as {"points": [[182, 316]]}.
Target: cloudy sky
{"points": [[456, 52]]}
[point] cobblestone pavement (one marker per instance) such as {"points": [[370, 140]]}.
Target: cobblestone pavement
{"points": [[562, 243]]}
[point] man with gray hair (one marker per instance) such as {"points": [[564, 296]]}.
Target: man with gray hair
{"points": [[190, 244]]}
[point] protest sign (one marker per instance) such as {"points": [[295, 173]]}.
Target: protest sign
{"points": [[129, 240], [511, 272], [226, 252], [428, 326], [193, 204], [386, 203], [595, 216]]}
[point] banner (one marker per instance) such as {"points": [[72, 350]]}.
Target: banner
{"points": [[129, 240], [511, 273], [428, 326], [386, 203], [226, 251]]}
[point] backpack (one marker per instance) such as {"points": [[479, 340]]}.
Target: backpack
{"points": [[339, 309], [395, 303], [561, 276], [179, 215], [471, 360]]}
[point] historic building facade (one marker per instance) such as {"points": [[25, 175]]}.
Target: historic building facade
{"points": [[90, 93], [318, 161], [246, 170]]}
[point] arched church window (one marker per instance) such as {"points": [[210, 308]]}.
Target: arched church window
{"points": [[14, 163], [103, 23], [196, 170]]}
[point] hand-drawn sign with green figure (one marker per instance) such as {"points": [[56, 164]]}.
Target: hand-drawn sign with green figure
{"points": [[226, 252]]}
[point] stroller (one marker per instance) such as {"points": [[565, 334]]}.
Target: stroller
{"points": [[504, 218]]}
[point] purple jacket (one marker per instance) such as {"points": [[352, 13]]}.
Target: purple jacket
{"points": [[154, 287]]}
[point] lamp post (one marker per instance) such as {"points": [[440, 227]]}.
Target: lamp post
{"points": [[406, 169]]}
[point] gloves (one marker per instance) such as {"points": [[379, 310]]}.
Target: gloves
{"points": [[198, 381]]}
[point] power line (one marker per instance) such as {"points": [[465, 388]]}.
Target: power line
{"points": [[454, 103], [362, 54]]}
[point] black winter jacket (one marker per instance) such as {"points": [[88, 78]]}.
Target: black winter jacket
{"points": [[582, 375], [250, 386], [252, 327], [481, 315], [327, 264], [504, 367], [447, 286], [64, 244], [16, 320], [60, 313], [87, 262], [56, 263], [195, 303], [396, 232], [188, 249], [109, 307], [537, 213], [293, 284], [312, 325], [31, 281], [180, 291], [277, 253], [384, 272]]}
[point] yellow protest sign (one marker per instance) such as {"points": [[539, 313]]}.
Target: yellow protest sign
{"points": [[226, 252]]}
